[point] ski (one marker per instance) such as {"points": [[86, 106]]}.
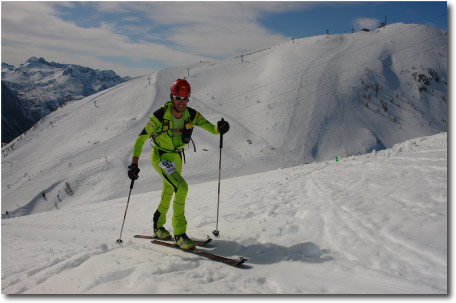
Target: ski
{"points": [[205, 254], [197, 242]]}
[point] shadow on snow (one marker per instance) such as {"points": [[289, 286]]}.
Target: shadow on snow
{"points": [[269, 253]]}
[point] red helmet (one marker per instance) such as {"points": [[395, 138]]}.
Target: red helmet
{"points": [[181, 88]]}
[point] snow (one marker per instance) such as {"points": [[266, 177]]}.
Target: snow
{"points": [[370, 224], [374, 222]]}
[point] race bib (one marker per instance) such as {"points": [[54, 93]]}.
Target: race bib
{"points": [[167, 166]]}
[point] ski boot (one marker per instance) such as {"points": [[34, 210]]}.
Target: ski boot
{"points": [[184, 242], [162, 233]]}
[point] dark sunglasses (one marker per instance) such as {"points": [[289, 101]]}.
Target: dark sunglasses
{"points": [[177, 98]]}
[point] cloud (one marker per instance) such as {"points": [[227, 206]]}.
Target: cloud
{"points": [[369, 23], [33, 29], [213, 29], [131, 18], [167, 33]]}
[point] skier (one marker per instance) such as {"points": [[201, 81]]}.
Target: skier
{"points": [[171, 127]]}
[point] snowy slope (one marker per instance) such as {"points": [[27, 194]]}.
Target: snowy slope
{"points": [[290, 104], [370, 224], [374, 223]]}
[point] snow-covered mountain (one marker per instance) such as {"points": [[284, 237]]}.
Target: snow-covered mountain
{"points": [[304, 101], [294, 103], [44, 86]]}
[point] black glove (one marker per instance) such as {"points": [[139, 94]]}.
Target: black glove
{"points": [[223, 126], [133, 171]]}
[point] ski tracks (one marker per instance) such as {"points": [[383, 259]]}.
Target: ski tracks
{"points": [[356, 215], [313, 106], [44, 277], [134, 267]]}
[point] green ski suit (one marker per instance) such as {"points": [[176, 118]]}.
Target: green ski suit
{"points": [[167, 160]]}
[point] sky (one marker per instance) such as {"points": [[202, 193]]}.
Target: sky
{"points": [[137, 38]]}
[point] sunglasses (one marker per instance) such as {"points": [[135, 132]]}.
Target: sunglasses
{"points": [[177, 98]]}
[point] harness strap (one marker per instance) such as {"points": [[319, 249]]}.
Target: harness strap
{"points": [[162, 151], [165, 126]]}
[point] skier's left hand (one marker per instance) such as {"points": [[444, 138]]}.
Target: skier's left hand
{"points": [[223, 126]]}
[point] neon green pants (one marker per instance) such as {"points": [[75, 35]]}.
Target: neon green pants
{"points": [[173, 183]]}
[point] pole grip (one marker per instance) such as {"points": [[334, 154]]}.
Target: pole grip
{"points": [[221, 137]]}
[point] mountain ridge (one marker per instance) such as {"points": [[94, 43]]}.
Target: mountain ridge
{"points": [[44, 86]]}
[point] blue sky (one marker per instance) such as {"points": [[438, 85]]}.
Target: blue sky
{"points": [[135, 38]]}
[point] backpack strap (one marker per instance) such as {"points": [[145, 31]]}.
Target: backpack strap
{"points": [[159, 114], [192, 113], [191, 119], [165, 125]]}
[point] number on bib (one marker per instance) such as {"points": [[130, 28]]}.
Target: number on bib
{"points": [[167, 166]]}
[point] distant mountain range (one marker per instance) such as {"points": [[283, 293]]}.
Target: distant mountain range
{"points": [[37, 87]]}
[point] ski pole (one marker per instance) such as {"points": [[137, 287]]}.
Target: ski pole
{"points": [[125, 215], [216, 231]]}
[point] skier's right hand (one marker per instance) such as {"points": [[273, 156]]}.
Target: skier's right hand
{"points": [[133, 171], [223, 126]]}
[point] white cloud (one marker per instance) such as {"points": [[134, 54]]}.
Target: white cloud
{"points": [[30, 29], [210, 28], [194, 31], [132, 19], [368, 23]]}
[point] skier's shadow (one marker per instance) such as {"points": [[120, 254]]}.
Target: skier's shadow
{"points": [[269, 253]]}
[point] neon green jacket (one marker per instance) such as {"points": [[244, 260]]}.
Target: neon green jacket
{"points": [[169, 140]]}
